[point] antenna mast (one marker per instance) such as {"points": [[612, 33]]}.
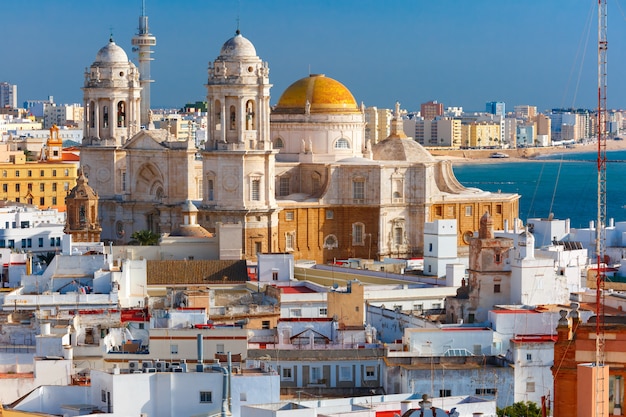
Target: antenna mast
{"points": [[601, 382]]}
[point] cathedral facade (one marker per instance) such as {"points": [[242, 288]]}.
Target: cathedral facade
{"points": [[299, 177]]}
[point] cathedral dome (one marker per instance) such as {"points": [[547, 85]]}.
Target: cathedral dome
{"points": [[317, 94], [397, 149], [238, 46], [111, 53]]}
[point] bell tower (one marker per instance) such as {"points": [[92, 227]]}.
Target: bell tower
{"points": [[82, 212], [112, 98], [238, 159]]}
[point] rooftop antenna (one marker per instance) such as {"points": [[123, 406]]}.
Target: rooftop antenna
{"points": [[111, 34]]}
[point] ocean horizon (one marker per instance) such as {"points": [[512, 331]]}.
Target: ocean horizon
{"points": [[564, 185]]}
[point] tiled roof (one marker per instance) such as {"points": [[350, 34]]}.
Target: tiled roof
{"points": [[174, 272]]}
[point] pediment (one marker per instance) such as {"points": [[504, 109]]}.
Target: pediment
{"points": [[146, 140]]}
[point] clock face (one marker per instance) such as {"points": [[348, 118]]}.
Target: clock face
{"points": [[230, 182], [103, 174]]}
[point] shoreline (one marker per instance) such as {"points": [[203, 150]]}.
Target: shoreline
{"points": [[481, 156]]}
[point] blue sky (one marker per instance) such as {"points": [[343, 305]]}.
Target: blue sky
{"points": [[459, 52]]}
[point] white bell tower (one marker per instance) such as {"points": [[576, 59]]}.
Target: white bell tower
{"points": [[238, 159], [112, 98]]}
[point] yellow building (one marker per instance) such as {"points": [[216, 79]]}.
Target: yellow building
{"points": [[480, 135], [43, 183]]}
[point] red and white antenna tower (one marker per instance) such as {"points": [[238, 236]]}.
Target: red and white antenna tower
{"points": [[601, 220]]}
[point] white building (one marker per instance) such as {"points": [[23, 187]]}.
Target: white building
{"points": [[29, 229], [440, 248], [158, 394]]}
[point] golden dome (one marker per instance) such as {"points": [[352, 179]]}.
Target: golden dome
{"points": [[323, 95]]}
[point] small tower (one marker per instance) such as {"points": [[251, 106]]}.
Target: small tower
{"points": [[82, 212], [53, 151]]}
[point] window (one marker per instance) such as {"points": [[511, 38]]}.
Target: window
{"points": [[17, 188], [29, 173], [437, 306], [219, 348], [323, 311], [279, 144], [486, 391], [430, 247], [342, 144], [296, 312], [243, 396], [42, 187], [418, 307], [289, 241], [438, 211], [103, 396], [206, 397], [66, 186], [5, 188], [4, 173], [445, 393], [316, 374], [42, 201], [286, 374], [357, 234], [370, 372], [258, 246], [173, 349], [468, 210], [498, 257], [529, 357], [41, 174], [256, 190], [265, 324], [345, 373], [54, 172], [289, 215], [274, 275], [496, 288], [67, 172], [498, 208], [54, 201], [358, 191], [331, 242], [3, 243], [24, 224], [17, 173], [40, 242], [530, 387], [11, 243], [54, 186], [330, 214], [398, 236], [210, 190], [284, 186]]}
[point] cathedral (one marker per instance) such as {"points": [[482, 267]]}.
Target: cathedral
{"points": [[297, 177]]}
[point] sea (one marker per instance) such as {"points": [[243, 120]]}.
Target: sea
{"points": [[564, 185]]}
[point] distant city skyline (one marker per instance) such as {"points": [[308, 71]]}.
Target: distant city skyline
{"points": [[459, 53]]}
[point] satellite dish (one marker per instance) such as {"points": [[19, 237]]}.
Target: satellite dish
{"points": [[335, 285]]}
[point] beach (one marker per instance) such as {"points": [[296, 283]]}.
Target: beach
{"points": [[469, 156]]}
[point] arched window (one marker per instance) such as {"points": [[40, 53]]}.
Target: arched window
{"points": [[92, 114], [121, 114], [330, 242], [342, 143], [105, 116], [250, 115], [233, 118], [218, 115], [279, 144]]}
